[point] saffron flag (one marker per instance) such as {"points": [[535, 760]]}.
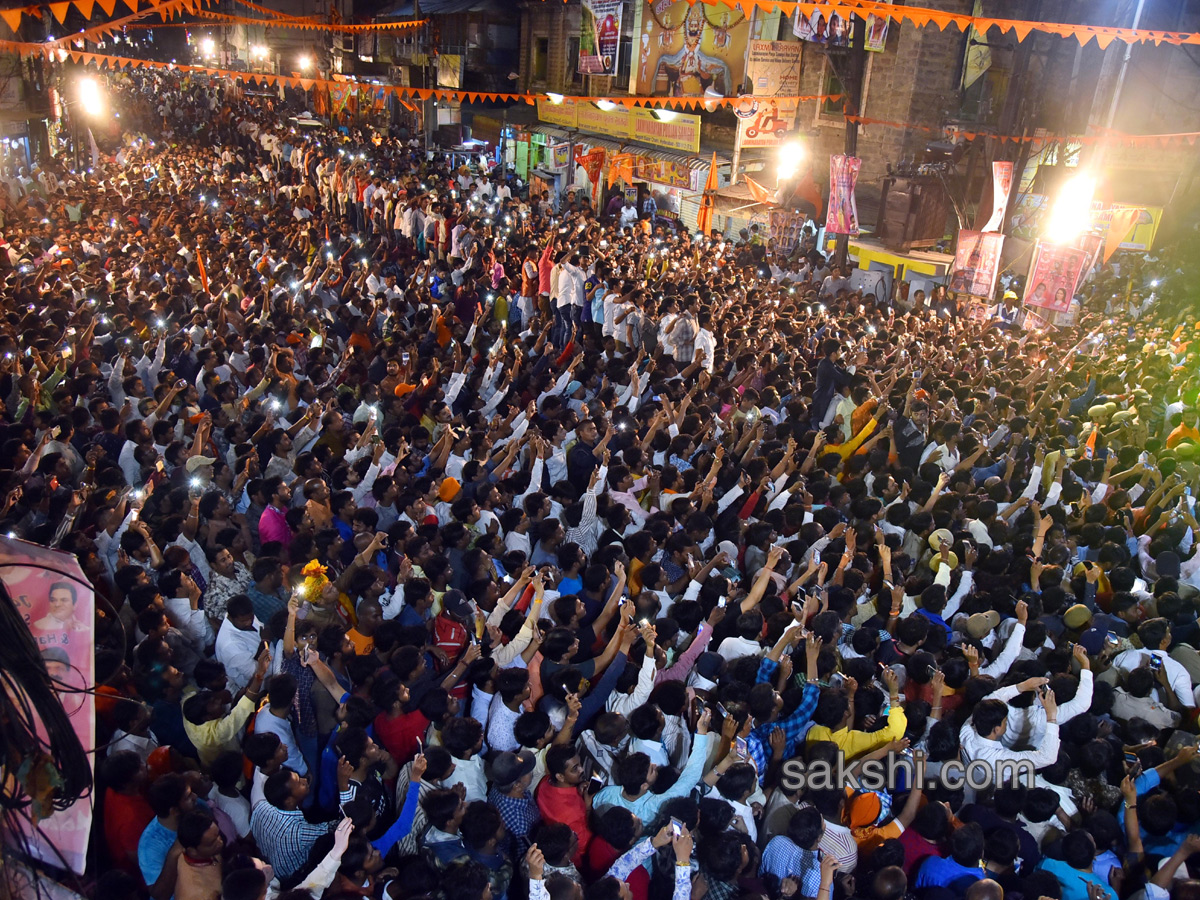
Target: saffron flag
{"points": [[709, 200], [757, 191]]}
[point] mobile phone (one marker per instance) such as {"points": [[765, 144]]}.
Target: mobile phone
{"points": [[1155, 663], [1131, 758], [742, 749], [55, 431], [676, 827], [404, 358], [595, 783], [721, 603], [160, 466], [1111, 638], [262, 648]]}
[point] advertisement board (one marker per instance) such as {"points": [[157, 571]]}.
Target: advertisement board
{"points": [[833, 28], [976, 263], [600, 36]]}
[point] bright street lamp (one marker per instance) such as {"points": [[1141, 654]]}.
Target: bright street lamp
{"points": [[791, 155], [91, 98], [1071, 214], [259, 51], [208, 46], [306, 63]]}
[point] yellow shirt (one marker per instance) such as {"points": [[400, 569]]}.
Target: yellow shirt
{"points": [[855, 743], [218, 735]]}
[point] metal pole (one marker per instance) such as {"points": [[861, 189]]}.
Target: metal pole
{"points": [[1116, 95]]}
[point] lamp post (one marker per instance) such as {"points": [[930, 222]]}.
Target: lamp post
{"points": [[89, 101]]}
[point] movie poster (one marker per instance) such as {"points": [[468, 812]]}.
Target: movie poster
{"points": [[686, 50], [841, 217], [976, 263], [833, 28], [1053, 276], [600, 37], [51, 594]]}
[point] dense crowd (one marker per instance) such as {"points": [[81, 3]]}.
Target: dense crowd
{"points": [[456, 543]]}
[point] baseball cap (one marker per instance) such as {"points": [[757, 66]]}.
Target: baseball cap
{"points": [[1092, 640], [195, 462], [509, 767], [455, 603]]}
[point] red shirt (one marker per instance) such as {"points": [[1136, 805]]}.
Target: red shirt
{"points": [[125, 818], [600, 857], [399, 735], [565, 805], [916, 850]]}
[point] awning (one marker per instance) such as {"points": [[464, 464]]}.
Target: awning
{"points": [[692, 161]]}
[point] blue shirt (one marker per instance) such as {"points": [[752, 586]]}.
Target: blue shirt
{"points": [[939, 872], [1074, 882], [153, 846]]}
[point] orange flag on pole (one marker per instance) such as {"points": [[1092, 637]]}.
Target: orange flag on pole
{"points": [[1122, 223], [200, 265], [709, 200], [757, 191]]}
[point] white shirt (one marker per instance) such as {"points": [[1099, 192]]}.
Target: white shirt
{"points": [[1027, 727], [469, 773], [976, 747], [736, 647], [235, 651], [1177, 675]]}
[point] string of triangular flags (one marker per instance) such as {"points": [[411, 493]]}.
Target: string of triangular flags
{"points": [[165, 10], [407, 94], [922, 16], [301, 25], [139, 8]]}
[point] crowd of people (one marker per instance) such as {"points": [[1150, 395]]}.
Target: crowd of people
{"points": [[454, 543]]}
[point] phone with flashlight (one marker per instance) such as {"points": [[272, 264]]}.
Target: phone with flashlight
{"points": [[676, 827]]}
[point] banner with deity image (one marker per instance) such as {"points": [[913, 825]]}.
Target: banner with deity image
{"points": [[686, 50]]}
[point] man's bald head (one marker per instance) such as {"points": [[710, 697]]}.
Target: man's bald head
{"points": [[985, 889]]}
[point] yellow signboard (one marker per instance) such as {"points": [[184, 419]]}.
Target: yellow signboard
{"points": [[682, 133]]}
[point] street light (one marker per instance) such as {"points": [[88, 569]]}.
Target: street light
{"points": [[208, 47], [791, 155], [1072, 211], [306, 63], [260, 51], [91, 99]]}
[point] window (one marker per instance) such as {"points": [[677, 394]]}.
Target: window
{"points": [[831, 85], [572, 75], [541, 56], [624, 64], [830, 111]]}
